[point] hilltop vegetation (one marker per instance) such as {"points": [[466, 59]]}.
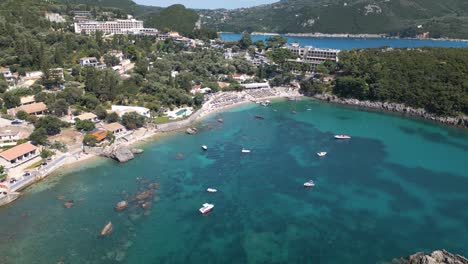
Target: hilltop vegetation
{"points": [[175, 18], [432, 78], [440, 18]]}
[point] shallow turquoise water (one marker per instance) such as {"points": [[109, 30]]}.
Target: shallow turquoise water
{"points": [[397, 187], [353, 43]]}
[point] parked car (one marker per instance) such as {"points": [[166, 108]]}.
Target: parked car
{"points": [[26, 174], [16, 122], [13, 180]]}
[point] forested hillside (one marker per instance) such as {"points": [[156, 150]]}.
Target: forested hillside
{"points": [[448, 18], [432, 78]]}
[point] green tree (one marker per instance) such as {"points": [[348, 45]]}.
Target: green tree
{"points": [[22, 115], [45, 153], [275, 42], [11, 100], [89, 140], [51, 124], [198, 99], [100, 112], [59, 107], [133, 120], [39, 136], [86, 125], [112, 117], [245, 41]]}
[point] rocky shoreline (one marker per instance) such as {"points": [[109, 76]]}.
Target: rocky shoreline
{"points": [[436, 257], [397, 108]]}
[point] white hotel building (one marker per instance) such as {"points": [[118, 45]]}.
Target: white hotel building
{"points": [[312, 55], [119, 26]]}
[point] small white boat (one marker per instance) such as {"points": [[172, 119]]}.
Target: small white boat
{"points": [[309, 184], [245, 150], [321, 154], [207, 207], [211, 190], [204, 147], [342, 137]]}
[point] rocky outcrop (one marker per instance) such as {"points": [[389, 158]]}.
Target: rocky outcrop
{"points": [[119, 153], [436, 257], [394, 107]]}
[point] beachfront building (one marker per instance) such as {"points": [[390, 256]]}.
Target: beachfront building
{"points": [[31, 109], [18, 155], [115, 128], [99, 134], [88, 116], [312, 56], [123, 109], [242, 77], [264, 85]]}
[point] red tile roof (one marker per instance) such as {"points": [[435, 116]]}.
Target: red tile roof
{"points": [[17, 151]]}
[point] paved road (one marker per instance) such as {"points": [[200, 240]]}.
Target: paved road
{"points": [[26, 180]]}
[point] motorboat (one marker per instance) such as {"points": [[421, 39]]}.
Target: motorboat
{"points": [[342, 137], [245, 150], [321, 154], [207, 207], [211, 190], [204, 147], [309, 184]]}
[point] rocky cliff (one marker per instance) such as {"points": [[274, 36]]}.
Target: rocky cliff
{"points": [[394, 107], [436, 257]]}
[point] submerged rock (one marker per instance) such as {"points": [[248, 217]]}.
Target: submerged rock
{"points": [[220, 120], [179, 156], [69, 204], [191, 131], [146, 205], [436, 257], [122, 205], [144, 195], [107, 229]]}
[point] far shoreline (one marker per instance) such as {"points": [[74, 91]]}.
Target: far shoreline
{"points": [[342, 36]]}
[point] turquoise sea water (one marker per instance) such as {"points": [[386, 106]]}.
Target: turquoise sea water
{"points": [[398, 186], [352, 43]]}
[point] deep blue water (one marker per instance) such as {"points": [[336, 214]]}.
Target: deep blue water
{"points": [[397, 187], [352, 43]]}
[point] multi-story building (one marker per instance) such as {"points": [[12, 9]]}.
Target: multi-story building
{"points": [[313, 56], [119, 26]]}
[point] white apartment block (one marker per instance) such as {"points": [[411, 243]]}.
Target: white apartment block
{"points": [[312, 55], [119, 26]]}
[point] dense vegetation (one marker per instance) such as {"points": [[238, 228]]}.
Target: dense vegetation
{"points": [[175, 18], [432, 78], [440, 18]]}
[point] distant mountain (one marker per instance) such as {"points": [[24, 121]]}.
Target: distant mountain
{"points": [[447, 18]]}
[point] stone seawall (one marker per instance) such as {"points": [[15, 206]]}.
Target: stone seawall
{"points": [[398, 108], [178, 125]]}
